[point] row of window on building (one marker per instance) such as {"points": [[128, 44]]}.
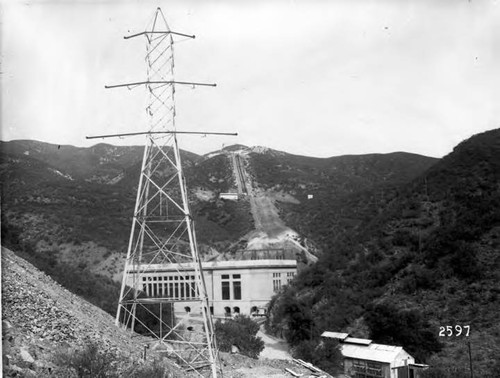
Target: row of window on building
{"points": [[184, 287], [367, 369], [277, 283], [176, 287]]}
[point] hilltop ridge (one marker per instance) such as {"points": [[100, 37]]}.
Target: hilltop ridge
{"points": [[76, 203]]}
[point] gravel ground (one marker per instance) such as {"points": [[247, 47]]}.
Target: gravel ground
{"points": [[275, 349], [238, 366]]}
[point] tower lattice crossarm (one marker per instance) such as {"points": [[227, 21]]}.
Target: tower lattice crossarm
{"points": [[163, 267]]}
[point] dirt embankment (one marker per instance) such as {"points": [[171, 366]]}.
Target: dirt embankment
{"points": [[39, 316]]}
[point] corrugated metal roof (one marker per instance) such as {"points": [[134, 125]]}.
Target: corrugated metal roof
{"points": [[335, 335], [420, 365], [365, 349], [372, 352], [353, 340], [345, 338]]}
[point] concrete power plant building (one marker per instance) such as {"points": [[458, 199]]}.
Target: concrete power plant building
{"points": [[233, 287]]}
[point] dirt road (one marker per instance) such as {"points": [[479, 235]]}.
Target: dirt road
{"points": [[275, 348]]}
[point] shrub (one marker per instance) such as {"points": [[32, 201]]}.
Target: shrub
{"points": [[390, 325], [325, 354], [289, 317], [464, 261], [440, 372], [418, 277], [91, 361], [403, 238], [94, 362], [240, 331], [156, 369], [305, 350], [248, 324]]}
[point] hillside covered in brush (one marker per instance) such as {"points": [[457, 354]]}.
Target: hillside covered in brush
{"points": [[336, 194], [407, 243], [65, 198], [68, 210], [428, 259]]}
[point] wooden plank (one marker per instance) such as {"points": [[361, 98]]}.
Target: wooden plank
{"points": [[293, 373]]}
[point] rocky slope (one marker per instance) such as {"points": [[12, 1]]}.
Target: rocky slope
{"points": [[39, 317]]}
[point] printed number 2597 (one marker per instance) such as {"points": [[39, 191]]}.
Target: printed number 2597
{"points": [[456, 330]]}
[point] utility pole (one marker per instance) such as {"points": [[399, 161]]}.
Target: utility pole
{"points": [[163, 233], [470, 361]]}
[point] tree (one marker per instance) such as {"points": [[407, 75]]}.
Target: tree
{"points": [[409, 329], [240, 331], [290, 317], [324, 354]]}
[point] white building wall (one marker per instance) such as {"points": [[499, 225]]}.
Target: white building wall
{"points": [[258, 279], [402, 359], [256, 288]]}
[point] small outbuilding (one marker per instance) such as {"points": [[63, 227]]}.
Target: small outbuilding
{"points": [[229, 196], [365, 359]]}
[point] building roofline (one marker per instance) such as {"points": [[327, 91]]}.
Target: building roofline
{"points": [[216, 265], [364, 349]]}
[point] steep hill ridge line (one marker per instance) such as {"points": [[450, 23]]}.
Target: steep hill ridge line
{"points": [[101, 163], [93, 211]]}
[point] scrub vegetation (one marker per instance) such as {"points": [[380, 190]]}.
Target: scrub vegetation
{"points": [[95, 361], [240, 332], [428, 260], [406, 243]]}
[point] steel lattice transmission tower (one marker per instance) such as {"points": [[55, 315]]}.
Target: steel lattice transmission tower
{"points": [[163, 233]]}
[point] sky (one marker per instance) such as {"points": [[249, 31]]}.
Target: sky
{"points": [[316, 78]]}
